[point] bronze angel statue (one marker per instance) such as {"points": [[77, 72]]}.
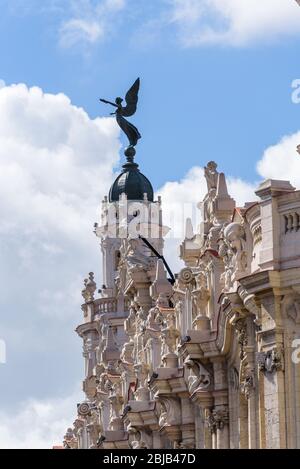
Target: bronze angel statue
{"points": [[129, 129]]}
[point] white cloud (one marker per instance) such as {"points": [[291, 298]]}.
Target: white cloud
{"points": [[241, 191], [77, 30], [53, 159], [281, 161], [56, 164], [90, 22], [38, 424], [234, 22]]}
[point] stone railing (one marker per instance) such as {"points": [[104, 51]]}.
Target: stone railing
{"points": [[292, 222], [105, 305], [109, 305]]}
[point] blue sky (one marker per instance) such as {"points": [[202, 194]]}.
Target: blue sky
{"points": [[197, 103], [216, 81]]}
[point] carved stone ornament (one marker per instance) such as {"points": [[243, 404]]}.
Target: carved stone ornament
{"points": [[241, 328], [169, 414], [137, 440], [84, 409], [90, 287], [201, 294], [211, 175], [70, 440], [217, 419], [270, 361], [291, 306], [200, 379], [247, 383], [226, 255], [135, 258], [186, 276], [235, 237]]}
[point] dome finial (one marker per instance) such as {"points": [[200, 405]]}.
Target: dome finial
{"points": [[130, 153]]}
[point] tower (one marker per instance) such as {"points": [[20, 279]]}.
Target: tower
{"points": [[131, 235], [129, 214]]}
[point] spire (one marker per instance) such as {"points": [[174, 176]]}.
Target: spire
{"points": [[222, 191], [189, 230], [161, 288]]}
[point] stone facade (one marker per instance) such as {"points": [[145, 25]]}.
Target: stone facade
{"points": [[208, 361]]}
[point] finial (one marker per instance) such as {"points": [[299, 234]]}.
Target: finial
{"points": [[189, 230], [89, 288], [130, 153], [222, 190]]}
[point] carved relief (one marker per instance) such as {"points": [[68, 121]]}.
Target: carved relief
{"points": [[170, 335], [84, 409], [154, 319], [137, 441], [247, 383], [226, 255], [170, 410], [135, 258], [217, 419], [291, 306], [201, 295], [103, 326], [70, 440], [186, 276], [235, 237], [200, 378], [130, 322], [241, 329], [141, 372], [271, 361]]}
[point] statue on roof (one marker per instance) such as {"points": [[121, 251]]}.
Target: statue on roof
{"points": [[211, 175], [121, 112]]}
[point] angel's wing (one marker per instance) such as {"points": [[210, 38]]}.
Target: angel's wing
{"points": [[131, 99]]}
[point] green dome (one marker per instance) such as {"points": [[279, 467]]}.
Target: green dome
{"points": [[132, 183]]}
